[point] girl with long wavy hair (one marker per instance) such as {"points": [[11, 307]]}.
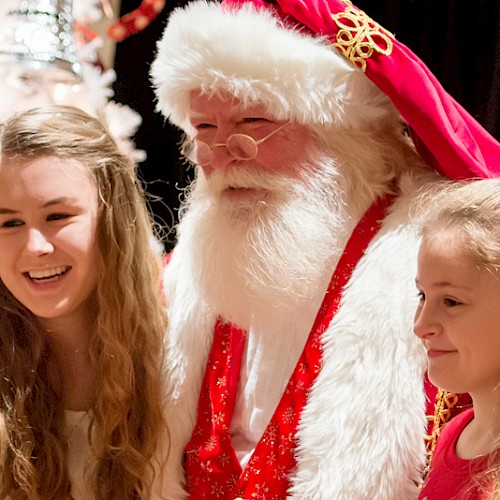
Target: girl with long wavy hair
{"points": [[81, 315]]}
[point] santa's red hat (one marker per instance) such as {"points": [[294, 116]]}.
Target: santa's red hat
{"points": [[316, 61]]}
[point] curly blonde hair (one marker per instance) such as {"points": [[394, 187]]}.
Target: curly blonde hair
{"points": [[126, 345]]}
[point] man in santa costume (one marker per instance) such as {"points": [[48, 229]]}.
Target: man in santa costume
{"points": [[292, 365]]}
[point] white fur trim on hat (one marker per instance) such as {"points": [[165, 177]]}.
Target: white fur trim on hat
{"points": [[253, 56]]}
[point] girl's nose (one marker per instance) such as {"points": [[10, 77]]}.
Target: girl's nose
{"points": [[423, 324], [38, 243]]}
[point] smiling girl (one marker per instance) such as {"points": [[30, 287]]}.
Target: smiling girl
{"points": [[81, 319], [458, 321]]}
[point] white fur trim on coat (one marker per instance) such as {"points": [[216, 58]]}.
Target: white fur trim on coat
{"points": [[251, 55], [361, 432]]}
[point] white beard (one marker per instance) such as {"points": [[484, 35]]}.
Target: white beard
{"points": [[255, 261]]}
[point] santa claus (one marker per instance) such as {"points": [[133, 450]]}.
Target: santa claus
{"points": [[292, 365]]}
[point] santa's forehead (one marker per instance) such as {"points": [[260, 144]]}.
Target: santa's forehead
{"points": [[202, 104]]}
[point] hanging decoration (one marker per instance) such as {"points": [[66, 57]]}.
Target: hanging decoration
{"points": [[135, 21], [39, 34], [49, 54]]}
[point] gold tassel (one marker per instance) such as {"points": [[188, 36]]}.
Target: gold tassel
{"points": [[445, 401]]}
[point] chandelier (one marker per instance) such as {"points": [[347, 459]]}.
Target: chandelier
{"points": [[38, 35]]}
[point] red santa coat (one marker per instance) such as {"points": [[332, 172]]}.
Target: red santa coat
{"points": [[361, 432]]}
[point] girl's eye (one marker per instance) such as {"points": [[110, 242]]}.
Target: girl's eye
{"points": [[57, 216], [421, 296], [451, 302], [12, 223]]}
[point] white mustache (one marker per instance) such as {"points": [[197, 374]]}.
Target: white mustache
{"points": [[243, 178]]}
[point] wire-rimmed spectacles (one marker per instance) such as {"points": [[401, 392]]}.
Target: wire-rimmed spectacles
{"points": [[241, 146]]}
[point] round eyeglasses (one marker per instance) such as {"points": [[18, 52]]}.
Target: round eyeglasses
{"points": [[241, 146]]}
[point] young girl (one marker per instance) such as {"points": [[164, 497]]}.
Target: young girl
{"points": [[81, 318], [458, 321]]}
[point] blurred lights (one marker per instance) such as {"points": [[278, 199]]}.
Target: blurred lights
{"points": [[39, 34]]}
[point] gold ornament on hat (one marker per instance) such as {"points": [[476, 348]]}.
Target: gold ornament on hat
{"points": [[359, 36]]}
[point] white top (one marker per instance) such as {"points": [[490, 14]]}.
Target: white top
{"points": [[80, 457], [79, 454]]}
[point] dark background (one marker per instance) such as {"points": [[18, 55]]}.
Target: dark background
{"points": [[459, 42]]}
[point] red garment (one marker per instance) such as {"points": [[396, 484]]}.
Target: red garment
{"points": [[450, 476], [212, 468]]}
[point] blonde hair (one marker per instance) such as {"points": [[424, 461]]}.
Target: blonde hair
{"points": [[493, 472], [473, 209], [126, 344]]}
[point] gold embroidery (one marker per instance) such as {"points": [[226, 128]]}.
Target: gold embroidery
{"points": [[218, 418], [359, 36], [445, 401], [209, 445]]}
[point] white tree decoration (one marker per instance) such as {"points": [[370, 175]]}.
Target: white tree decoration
{"points": [[45, 59]]}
